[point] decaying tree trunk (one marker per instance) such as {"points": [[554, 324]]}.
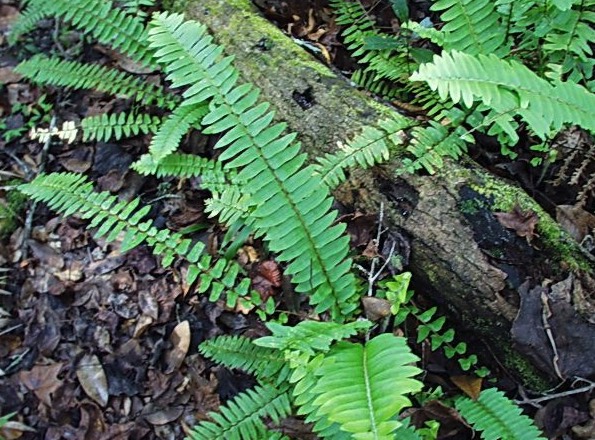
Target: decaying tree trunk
{"points": [[485, 274]]}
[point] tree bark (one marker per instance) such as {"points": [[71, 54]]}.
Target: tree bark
{"points": [[481, 272]]}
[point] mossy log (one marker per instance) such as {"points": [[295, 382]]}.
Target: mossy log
{"points": [[482, 273]]}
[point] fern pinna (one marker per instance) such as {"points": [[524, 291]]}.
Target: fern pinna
{"points": [[292, 203]]}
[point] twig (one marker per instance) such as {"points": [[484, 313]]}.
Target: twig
{"points": [[29, 219], [538, 400]]}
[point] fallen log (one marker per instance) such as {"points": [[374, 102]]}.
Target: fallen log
{"points": [[530, 298]]}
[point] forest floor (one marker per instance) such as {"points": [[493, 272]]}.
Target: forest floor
{"points": [[100, 344]]}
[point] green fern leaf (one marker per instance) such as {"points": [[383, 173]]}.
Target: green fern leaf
{"points": [[497, 417], [370, 147], [230, 205], [109, 25], [292, 204], [572, 32], [472, 26], [57, 72], [170, 134], [362, 388], [309, 336], [70, 193], [241, 418], [107, 126], [508, 86], [240, 352], [35, 11], [429, 145]]}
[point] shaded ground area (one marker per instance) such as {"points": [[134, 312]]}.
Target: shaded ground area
{"points": [[97, 344]]}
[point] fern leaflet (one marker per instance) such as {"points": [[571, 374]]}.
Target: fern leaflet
{"points": [[472, 26], [113, 126], [370, 147], [174, 127], [362, 388], [497, 417], [241, 418], [57, 72], [36, 11], [240, 352], [111, 26], [292, 204]]}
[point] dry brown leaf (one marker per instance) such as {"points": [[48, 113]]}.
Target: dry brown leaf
{"points": [[180, 339], [470, 385], [376, 308], [575, 220], [42, 380], [165, 416], [92, 378], [523, 223]]}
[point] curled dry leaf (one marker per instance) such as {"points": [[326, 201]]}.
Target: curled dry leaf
{"points": [[575, 220], [523, 223], [180, 339], [43, 381], [92, 378]]}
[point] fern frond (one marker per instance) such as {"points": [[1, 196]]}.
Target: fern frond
{"points": [[35, 11], [72, 74], [177, 165], [370, 147], [497, 417], [472, 26], [241, 353], [175, 126], [572, 32], [367, 80], [229, 204], [292, 204], [241, 418], [107, 126], [430, 144], [309, 336], [507, 86], [362, 388], [109, 25], [70, 193]]}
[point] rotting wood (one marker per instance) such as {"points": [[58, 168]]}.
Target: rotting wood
{"points": [[460, 254]]}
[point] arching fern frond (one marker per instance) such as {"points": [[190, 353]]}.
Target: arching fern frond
{"points": [[35, 11], [70, 193], [241, 418], [180, 165], [472, 26], [497, 417], [367, 80], [116, 125], [363, 387], [370, 147], [57, 72], [175, 126], [109, 25], [292, 204], [507, 86], [240, 352]]}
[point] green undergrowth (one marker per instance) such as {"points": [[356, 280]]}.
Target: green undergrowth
{"points": [[348, 377]]}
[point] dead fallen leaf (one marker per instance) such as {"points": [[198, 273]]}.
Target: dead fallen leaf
{"points": [[180, 339], [523, 223], [13, 430], [470, 385], [575, 220], [43, 381], [164, 416], [92, 378], [376, 308]]}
